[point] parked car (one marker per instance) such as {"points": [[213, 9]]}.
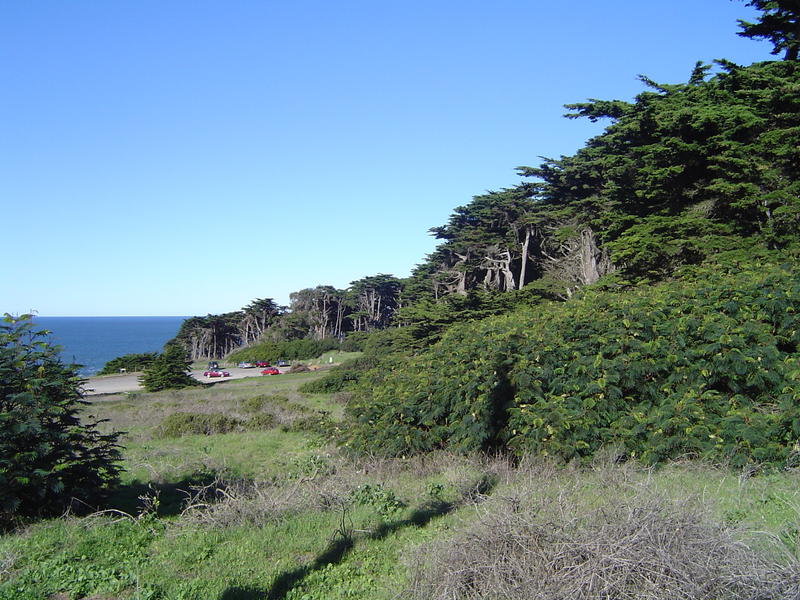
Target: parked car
{"points": [[246, 365], [270, 371], [213, 365], [216, 373], [283, 363], [262, 363]]}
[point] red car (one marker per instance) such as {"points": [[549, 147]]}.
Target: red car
{"points": [[216, 373], [262, 363], [270, 371]]}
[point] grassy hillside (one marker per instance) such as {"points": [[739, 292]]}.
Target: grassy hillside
{"points": [[262, 506]]}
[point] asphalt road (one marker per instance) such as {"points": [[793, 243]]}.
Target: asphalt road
{"points": [[129, 382]]}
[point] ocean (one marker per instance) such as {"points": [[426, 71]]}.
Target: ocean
{"points": [[93, 341]]}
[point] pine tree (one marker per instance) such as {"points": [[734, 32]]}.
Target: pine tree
{"points": [[169, 370], [50, 454], [779, 23]]}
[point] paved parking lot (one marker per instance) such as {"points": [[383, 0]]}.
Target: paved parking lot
{"points": [[129, 382]]}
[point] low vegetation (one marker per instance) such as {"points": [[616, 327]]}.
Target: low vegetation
{"points": [[705, 366], [198, 513]]}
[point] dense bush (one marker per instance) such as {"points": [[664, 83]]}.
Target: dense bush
{"points": [[48, 455], [180, 424], [707, 366], [129, 362], [318, 422], [258, 403], [260, 422], [342, 377], [301, 349], [354, 341]]}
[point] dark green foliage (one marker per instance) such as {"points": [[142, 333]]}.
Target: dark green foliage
{"points": [[680, 174], [779, 23], [712, 158], [318, 422], [129, 362], [180, 424], [260, 422], [48, 456], [426, 320], [168, 371], [302, 349], [389, 341], [342, 377], [382, 499], [354, 341], [335, 380], [705, 367], [259, 402], [257, 318]]}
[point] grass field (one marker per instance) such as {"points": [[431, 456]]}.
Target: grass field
{"points": [[235, 492]]}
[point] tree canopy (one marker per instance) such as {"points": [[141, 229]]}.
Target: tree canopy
{"points": [[779, 23]]}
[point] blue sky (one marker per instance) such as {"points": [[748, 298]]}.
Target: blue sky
{"points": [[188, 156]]}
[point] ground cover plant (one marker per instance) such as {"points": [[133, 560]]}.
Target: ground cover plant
{"points": [[627, 543], [705, 366]]}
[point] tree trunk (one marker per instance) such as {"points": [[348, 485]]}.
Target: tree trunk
{"points": [[524, 266]]}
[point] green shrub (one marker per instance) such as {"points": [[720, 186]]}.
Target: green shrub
{"points": [[354, 341], [260, 422], [180, 424], [342, 377], [301, 349], [255, 404], [310, 467], [265, 401], [382, 499], [318, 423], [49, 455], [335, 380], [704, 367]]}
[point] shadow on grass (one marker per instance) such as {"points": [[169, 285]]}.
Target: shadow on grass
{"points": [[171, 496], [337, 549], [239, 593], [340, 546]]}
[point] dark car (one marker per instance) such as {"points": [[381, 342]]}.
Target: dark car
{"points": [[283, 363], [270, 371], [262, 363]]}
